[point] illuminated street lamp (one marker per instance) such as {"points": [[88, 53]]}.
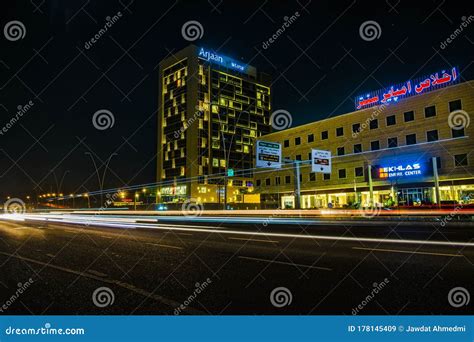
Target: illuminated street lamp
{"points": [[145, 197], [86, 195], [135, 200]]}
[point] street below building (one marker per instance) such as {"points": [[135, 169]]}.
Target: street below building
{"points": [[213, 265]]}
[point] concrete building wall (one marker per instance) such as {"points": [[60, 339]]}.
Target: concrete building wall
{"points": [[445, 148]]}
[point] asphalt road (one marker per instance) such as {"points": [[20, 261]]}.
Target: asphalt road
{"points": [[157, 271]]}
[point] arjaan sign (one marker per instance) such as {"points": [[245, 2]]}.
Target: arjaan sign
{"points": [[227, 62]]}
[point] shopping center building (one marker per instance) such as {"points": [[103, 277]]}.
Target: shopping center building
{"points": [[407, 145]]}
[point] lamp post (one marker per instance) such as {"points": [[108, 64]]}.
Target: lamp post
{"points": [[135, 201], [145, 197], [88, 200], [60, 183], [101, 181]]}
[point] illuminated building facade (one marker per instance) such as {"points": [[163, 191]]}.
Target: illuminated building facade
{"points": [[382, 154], [211, 110]]}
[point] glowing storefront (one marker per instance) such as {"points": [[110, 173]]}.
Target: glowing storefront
{"points": [[385, 150]]}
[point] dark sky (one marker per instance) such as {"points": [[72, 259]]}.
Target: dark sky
{"points": [[318, 65]]}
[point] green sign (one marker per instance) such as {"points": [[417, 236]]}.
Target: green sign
{"points": [[230, 172]]}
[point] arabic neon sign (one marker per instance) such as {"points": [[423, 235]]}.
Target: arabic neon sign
{"points": [[407, 89], [227, 62]]}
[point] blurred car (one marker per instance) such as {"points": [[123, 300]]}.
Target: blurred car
{"points": [[161, 207]]}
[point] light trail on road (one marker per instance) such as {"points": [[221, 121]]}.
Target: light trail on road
{"points": [[131, 223]]}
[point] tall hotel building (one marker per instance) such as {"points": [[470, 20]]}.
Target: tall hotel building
{"points": [[211, 110], [382, 153]]}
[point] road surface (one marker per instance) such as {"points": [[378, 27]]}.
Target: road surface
{"points": [[152, 267]]}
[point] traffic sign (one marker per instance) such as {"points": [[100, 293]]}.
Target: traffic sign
{"points": [[268, 154], [320, 161]]}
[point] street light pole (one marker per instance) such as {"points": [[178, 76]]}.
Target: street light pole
{"points": [[62, 179], [295, 164], [96, 171], [105, 170], [101, 181]]}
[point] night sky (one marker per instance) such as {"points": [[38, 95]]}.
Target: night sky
{"points": [[318, 66]]}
